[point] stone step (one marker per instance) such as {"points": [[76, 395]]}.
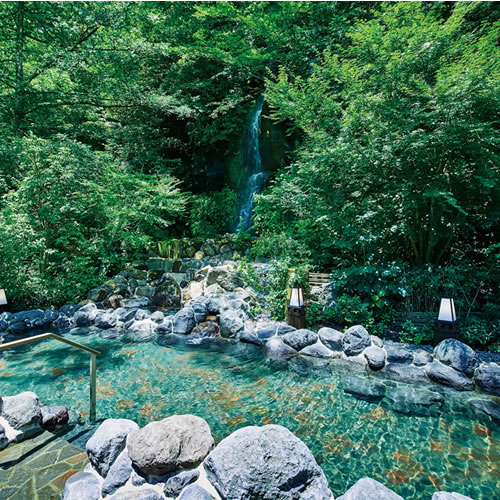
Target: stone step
{"points": [[38, 468]]}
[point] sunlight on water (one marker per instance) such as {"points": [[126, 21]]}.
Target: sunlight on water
{"points": [[234, 385]]}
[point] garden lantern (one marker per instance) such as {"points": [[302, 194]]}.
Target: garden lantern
{"points": [[446, 325], [296, 309]]}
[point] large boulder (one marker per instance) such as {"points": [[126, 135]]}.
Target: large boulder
{"points": [[118, 474], [108, 442], [458, 355], [276, 348], [299, 339], [22, 412], [175, 483], [317, 350], [369, 489], [355, 340], [265, 463], [106, 320], [199, 311], [231, 323], [375, 357], [446, 375], [487, 377], [31, 318], [331, 338], [81, 486], [167, 294], [17, 328], [398, 354], [85, 315], [411, 400], [183, 321], [174, 443]]}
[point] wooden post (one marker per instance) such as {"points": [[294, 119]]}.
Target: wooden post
{"points": [[92, 388]]}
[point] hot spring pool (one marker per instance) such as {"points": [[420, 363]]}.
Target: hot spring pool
{"points": [[234, 385]]}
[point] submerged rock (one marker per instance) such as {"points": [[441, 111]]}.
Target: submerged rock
{"points": [[276, 348], [458, 355], [355, 340], [108, 442], [445, 495], [446, 375], [174, 443], [267, 463], [81, 486], [369, 489], [486, 407], [415, 401], [363, 388]]}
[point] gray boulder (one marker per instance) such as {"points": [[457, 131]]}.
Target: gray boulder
{"points": [[137, 494], [85, 315], [363, 388], [276, 348], [299, 339], [118, 474], [136, 303], [458, 355], [31, 318], [369, 489], [375, 357], [355, 340], [17, 328], [108, 442], [175, 484], [22, 412], [54, 416], [183, 321], [231, 324], [98, 294], [445, 495], [199, 311], [411, 400], [168, 294], [81, 486], [177, 442], [331, 338], [249, 335], [446, 375], [106, 320], [265, 463], [157, 317], [376, 341], [317, 350], [398, 354], [487, 377], [421, 357], [195, 492]]}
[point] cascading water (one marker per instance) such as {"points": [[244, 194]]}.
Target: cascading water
{"points": [[255, 177]]}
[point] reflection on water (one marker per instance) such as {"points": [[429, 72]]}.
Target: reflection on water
{"points": [[234, 385]]}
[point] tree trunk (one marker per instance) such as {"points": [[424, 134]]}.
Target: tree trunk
{"points": [[19, 99]]}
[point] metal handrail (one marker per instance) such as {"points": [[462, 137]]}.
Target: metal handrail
{"points": [[93, 353]]}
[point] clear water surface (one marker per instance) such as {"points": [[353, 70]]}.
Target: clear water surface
{"points": [[235, 385]]}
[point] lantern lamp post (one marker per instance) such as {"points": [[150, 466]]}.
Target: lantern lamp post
{"points": [[446, 325], [3, 300], [296, 309]]}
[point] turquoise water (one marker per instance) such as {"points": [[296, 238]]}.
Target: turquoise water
{"points": [[234, 385]]}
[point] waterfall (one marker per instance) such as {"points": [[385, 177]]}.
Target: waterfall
{"points": [[254, 176]]}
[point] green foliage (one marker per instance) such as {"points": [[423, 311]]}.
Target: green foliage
{"points": [[350, 310], [482, 334], [247, 273], [74, 218], [212, 214], [412, 334]]}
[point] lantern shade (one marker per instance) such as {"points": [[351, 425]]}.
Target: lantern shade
{"points": [[296, 299], [447, 310], [3, 298]]}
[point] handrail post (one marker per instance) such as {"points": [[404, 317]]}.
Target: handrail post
{"points": [[92, 387]]}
